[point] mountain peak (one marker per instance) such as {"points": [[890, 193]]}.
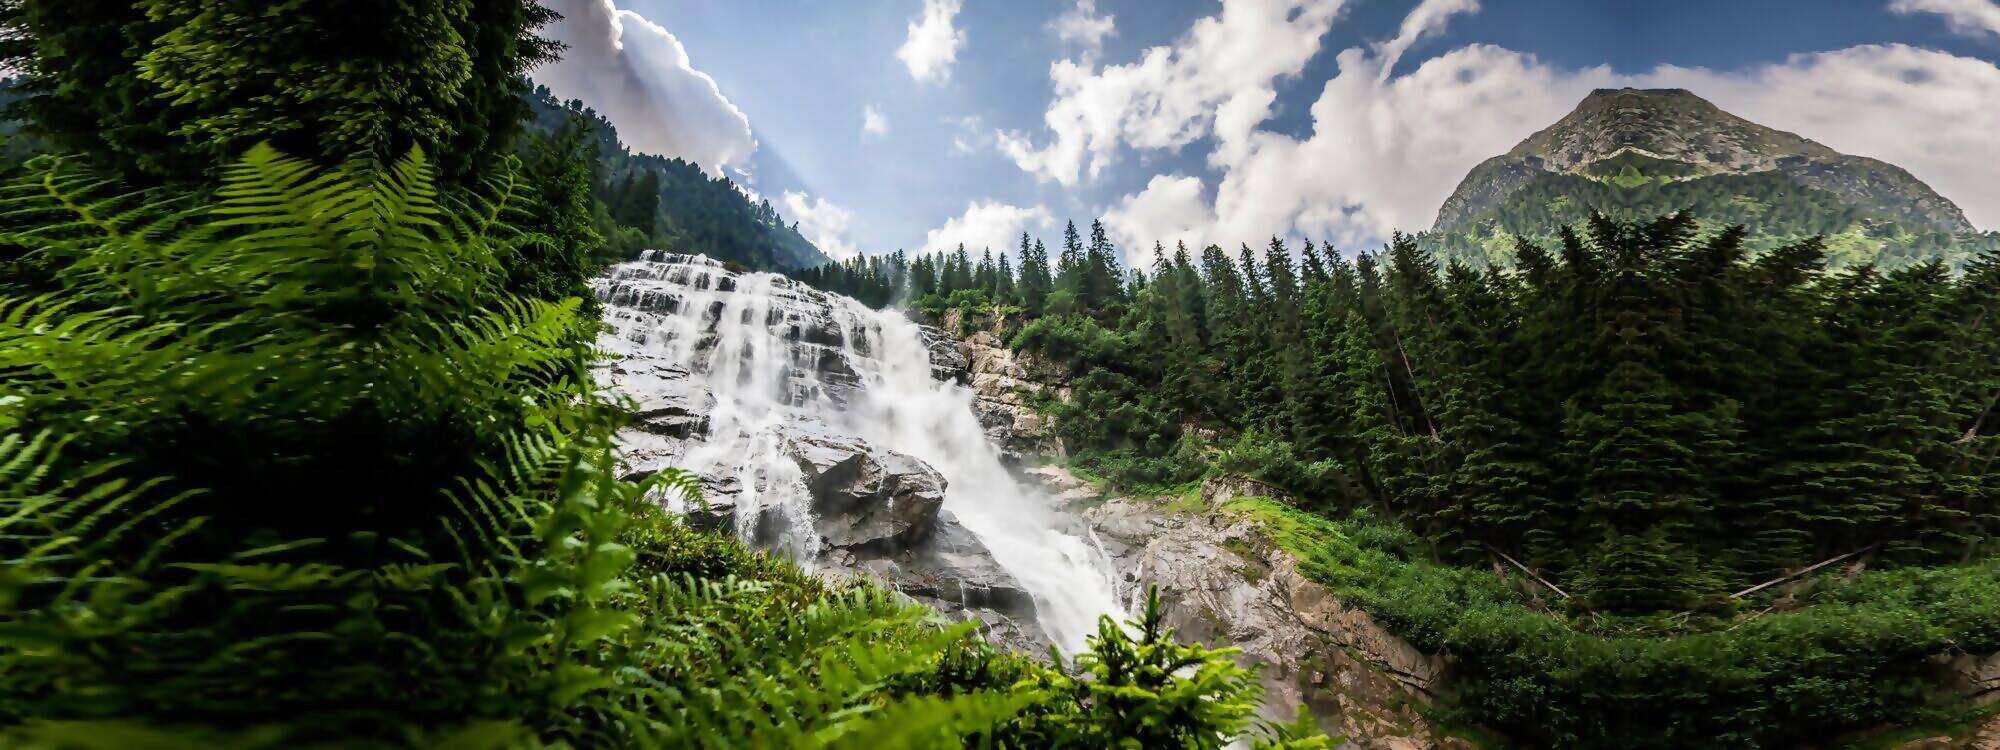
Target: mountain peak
{"points": [[1666, 136], [1671, 124], [1632, 94]]}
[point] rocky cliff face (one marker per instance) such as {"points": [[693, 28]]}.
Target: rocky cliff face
{"points": [[1677, 135], [1005, 385], [1224, 582], [1221, 580]]}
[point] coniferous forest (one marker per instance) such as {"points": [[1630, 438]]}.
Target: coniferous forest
{"points": [[1653, 423], [301, 443]]}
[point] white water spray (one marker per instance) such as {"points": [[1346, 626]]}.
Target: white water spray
{"points": [[774, 353]]}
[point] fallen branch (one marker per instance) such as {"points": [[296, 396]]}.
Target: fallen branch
{"points": [[1531, 573], [1797, 573]]}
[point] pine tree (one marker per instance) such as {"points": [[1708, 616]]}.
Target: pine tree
{"points": [[1102, 287], [1070, 273], [1004, 291], [1035, 278]]}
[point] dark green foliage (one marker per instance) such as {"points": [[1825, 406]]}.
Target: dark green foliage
{"points": [[1650, 416], [643, 201], [554, 259], [1143, 689], [324, 468], [168, 91], [1851, 657], [172, 90]]}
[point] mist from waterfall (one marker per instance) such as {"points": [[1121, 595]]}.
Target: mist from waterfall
{"points": [[774, 353]]}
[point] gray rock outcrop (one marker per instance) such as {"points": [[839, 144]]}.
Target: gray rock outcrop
{"points": [[1005, 385], [865, 499], [1223, 581]]}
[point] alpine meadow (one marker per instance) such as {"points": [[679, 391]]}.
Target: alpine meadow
{"points": [[1359, 374]]}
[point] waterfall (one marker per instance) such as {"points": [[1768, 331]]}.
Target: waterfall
{"points": [[767, 356]]}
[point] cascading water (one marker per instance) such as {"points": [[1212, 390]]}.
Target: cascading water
{"points": [[769, 355]]}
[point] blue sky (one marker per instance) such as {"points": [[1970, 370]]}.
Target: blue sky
{"points": [[1228, 122]]}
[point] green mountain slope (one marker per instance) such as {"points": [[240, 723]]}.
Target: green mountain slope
{"points": [[1632, 153], [660, 202]]}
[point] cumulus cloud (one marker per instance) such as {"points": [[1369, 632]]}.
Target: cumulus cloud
{"points": [[1171, 209], [1386, 151], [987, 224], [1082, 26], [933, 43], [1970, 17], [872, 121], [1219, 79], [638, 76], [822, 222]]}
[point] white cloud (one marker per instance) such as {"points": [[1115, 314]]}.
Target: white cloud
{"points": [[971, 135], [638, 76], [1429, 16], [1926, 111], [822, 222], [987, 224], [1082, 26], [1970, 17], [1169, 210], [932, 45], [872, 121], [1219, 79]]}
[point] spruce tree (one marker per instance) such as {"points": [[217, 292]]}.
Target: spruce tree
{"points": [[1070, 272]]}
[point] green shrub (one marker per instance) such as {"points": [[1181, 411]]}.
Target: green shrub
{"points": [[1260, 456], [1853, 657]]}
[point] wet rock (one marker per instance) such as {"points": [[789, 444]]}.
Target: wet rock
{"points": [[1976, 676], [1219, 491], [865, 497], [1069, 491], [956, 574], [947, 361], [1005, 387]]}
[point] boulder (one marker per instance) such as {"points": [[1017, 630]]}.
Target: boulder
{"points": [[866, 498], [955, 573]]}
